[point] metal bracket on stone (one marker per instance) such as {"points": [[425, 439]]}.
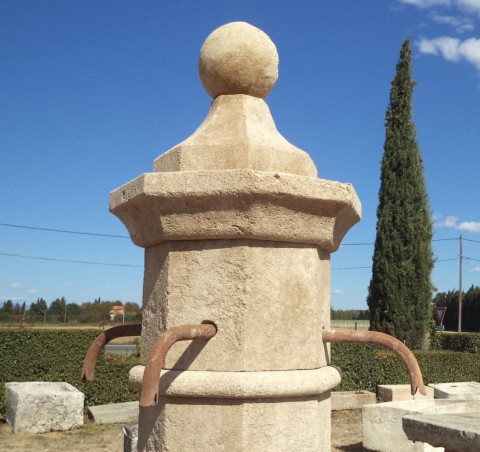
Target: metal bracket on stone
{"points": [[102, 339]]}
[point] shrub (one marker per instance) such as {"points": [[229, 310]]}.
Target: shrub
{"points": [[366, 366], [457, 342], [57, 355]]}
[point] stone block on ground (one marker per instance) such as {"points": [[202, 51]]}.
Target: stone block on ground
{"points": [[460, 432], [39, 407], [382, 422], [130, 438], [349, 400], [115, 413], [395, 393], [466, 390]]}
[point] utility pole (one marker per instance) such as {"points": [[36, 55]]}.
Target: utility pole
{"points": [[460, 289]]}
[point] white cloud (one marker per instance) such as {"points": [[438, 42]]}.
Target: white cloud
{"points": [[476, 269], [453, 49], [470, 226], [427, 3], [449, 222], [469, 5], [452, 222], [16, 284], [32, 291], [461, 24], [338, 291]]}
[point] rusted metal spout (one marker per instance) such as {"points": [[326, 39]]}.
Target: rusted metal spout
{"points": [[385, 340], [97, 345], [156, 358]]}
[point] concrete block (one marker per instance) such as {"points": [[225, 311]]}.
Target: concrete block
{"points": [[114, 413], [395, 393], [468, 390], [39, 407], [349, 400]]}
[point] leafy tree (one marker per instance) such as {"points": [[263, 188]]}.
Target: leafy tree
{"points": [[400, 292], [7, 307], [57, 308], [39, 307]]}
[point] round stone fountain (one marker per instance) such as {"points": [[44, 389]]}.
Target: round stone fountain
{"points": [[238, 231]]}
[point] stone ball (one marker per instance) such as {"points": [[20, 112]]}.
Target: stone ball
{"points": [[238, 58]]}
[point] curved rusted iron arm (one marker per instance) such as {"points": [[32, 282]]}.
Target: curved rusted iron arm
{"points": [[97, 345], [373, 337], [156, 358]]}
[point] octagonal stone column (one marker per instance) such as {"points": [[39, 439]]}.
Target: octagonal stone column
{"points": [[238, 230]]}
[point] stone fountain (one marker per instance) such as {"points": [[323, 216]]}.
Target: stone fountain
{"points": [[237, 231]]}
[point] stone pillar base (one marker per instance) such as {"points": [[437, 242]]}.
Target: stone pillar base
{"points": [[238, 411]]}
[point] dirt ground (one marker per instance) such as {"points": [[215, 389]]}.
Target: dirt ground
{"points": [[346, 437]]}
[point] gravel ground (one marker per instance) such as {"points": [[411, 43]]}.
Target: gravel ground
{"points": [[346, 437]]}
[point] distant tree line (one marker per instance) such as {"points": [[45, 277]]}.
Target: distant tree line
{"points": [[60, 310], [349, 314], [470, 309]]}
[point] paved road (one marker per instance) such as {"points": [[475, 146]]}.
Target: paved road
{"points": [[120, 349]]}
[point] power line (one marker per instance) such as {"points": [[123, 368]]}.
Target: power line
{"points": [[472, 258], [372, 243], [444, 240], [70, 261], [64, 231], [471, 240], [350, 268]]}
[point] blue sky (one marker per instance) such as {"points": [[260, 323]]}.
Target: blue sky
{"points": [[91, 92]]}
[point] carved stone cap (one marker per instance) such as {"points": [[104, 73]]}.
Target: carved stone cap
{"points": [[232, 204], [238, 133], [238, 68]]}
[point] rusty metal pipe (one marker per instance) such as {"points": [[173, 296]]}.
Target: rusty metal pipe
{"points": [[385, 340], [156, 358], [102, 339]]}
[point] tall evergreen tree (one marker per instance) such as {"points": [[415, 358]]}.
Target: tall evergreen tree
{"points": [[400, 292]]}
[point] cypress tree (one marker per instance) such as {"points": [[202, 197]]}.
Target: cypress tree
{"points": [[400, 292]]}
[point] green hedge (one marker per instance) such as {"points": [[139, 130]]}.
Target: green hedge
{"points": [[457, 342], [57, 355], [366, 366]]}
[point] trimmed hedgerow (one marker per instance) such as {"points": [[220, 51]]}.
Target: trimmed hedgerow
{"points": [[457, 342], [366, 366], [57, 355]]}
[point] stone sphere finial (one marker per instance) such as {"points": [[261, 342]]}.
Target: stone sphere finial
{"points": [[238, 58]]}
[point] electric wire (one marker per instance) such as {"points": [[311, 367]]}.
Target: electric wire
{"points": [[64, 231], [69, 261]]}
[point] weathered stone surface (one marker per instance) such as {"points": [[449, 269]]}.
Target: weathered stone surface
{"points": [[453, 432], [242, 385], [238, 133], [238, 58], [256, 425], [350, 400], [382, 422], [467, 390], [130, 438], [395, 393], [236, 204], [262, 296], [114, 413], [38, 407]]}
